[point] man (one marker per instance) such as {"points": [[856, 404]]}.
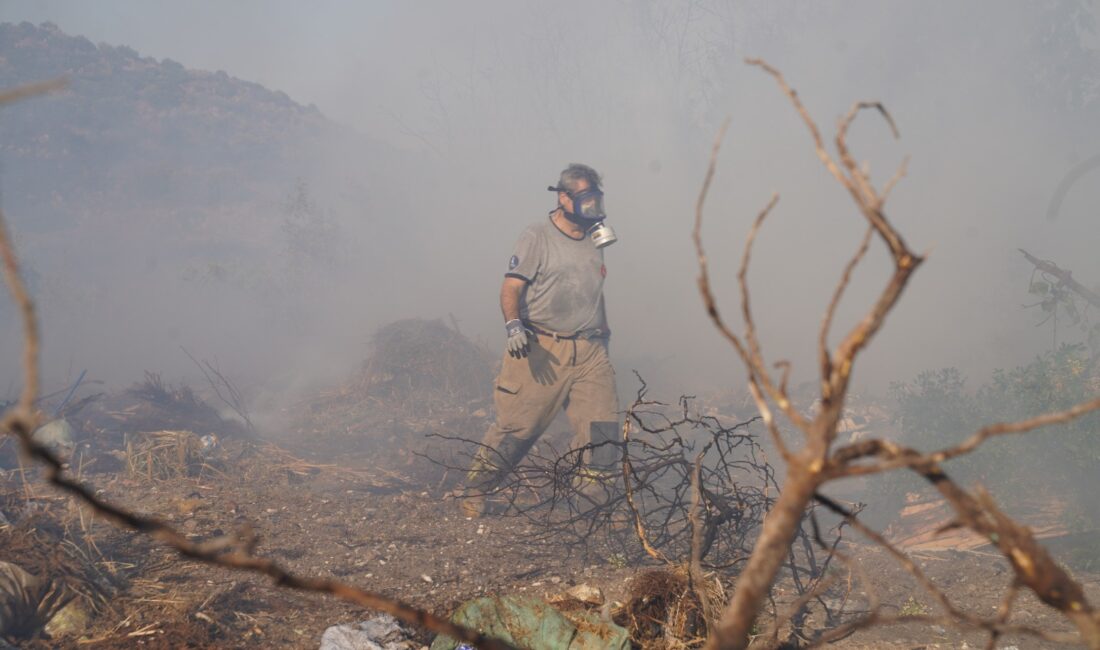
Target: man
{"points": [[553, 306]]}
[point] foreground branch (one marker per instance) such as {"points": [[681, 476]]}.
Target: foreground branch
{"points": [[814, 464], [804, 472]]}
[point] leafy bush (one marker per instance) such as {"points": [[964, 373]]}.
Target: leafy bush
{"points": [[1057, 463]]}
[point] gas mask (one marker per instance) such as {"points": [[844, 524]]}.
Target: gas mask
{"points": [[588, 213]]}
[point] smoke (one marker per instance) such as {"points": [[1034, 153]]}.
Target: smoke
{"points": [[467, 111]]}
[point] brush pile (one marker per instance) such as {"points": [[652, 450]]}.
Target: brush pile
{"points": [[152, 428], [153, 405], [421, 377], [423, 367], [422, 385]]}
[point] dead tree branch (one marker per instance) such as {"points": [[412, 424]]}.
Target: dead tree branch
{"points": [[814, 463], [711, 304], [218, 381], [824, 359], [804, 467], [648, 503], [628, 495], [693, 495]]}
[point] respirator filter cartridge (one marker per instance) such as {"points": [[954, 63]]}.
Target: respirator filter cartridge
{"points": [[602, 235]]}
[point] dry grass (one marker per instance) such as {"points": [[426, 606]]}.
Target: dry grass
{"points": [[662, 612]]}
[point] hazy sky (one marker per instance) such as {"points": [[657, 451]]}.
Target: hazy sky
{"points": [[996, 102]]}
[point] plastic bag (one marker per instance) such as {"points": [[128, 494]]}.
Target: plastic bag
{"points": [[534, 624]]}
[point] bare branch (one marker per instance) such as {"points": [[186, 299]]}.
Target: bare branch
{"points": [[232, 397], [859, 178], [898, 175], [819, 145], [1003, 612], [813, 465], [995, 626], [756, 357], [23, 414], [1032, 564], [870, 204], [897, 457], [695, 564], [711, 305], [1022, 426], [824, 358], [639, 523], [704, 276]]}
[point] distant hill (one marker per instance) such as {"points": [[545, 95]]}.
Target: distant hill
{"points": [[142, 132], [155, 205]]}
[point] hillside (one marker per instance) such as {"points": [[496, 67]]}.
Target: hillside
{"points": [[144, 130], [147, 196]]}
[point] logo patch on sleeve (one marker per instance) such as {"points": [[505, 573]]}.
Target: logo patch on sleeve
{"points": [[513, 263]]}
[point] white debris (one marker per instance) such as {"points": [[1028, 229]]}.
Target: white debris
{"points": [[586, 593], [383, 632]]}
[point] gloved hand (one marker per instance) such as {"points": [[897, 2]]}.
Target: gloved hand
{"points": [[517, 338]]}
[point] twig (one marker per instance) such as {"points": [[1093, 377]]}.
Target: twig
{"points": [[711, 305], [639, 524], [824, 358], [695, 564]]}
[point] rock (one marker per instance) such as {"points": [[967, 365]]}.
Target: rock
{"points": [[29, 603], [55, 433], [72, 620]]}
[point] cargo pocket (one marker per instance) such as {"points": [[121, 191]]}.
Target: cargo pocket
{"points": [[508, 386], [509, 407]]}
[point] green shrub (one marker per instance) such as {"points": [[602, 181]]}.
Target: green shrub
{"points": [[1053, 464]]}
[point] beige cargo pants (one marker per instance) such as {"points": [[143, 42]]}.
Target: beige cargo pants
{"points": [[574, 374]]}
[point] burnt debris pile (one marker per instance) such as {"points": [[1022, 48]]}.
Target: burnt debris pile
{"points": [[424, 367], [421, 377]]}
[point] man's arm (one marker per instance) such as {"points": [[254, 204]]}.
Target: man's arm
{"points": [[511, 292]]}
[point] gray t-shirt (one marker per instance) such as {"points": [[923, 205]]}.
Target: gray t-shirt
{"points": [[564, 280]]}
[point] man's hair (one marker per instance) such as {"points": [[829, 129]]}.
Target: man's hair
{"points": [[577, 172]]}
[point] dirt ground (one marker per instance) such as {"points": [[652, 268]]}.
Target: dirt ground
{"points": [[404, 540], [345, 492]]}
